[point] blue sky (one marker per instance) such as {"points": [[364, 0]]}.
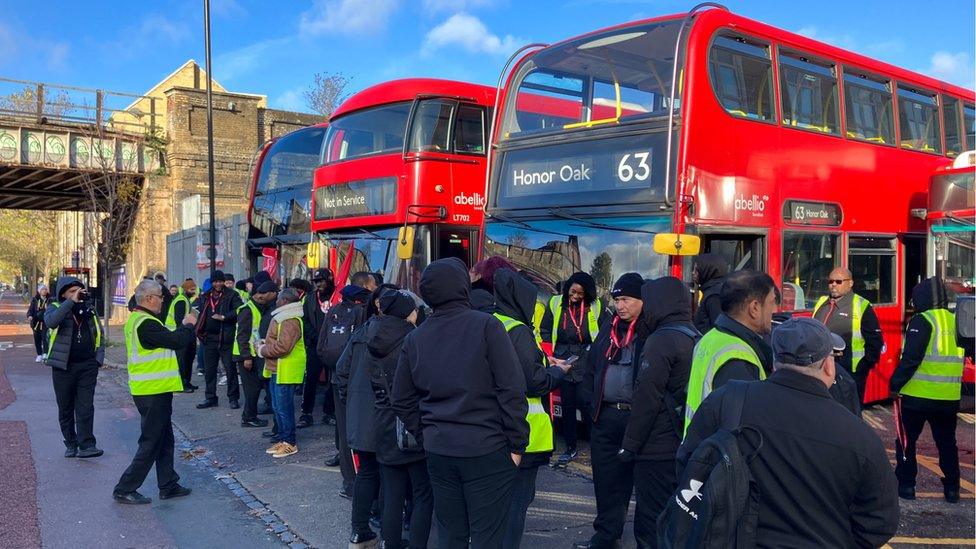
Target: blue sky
{"points": [[274, 47]]}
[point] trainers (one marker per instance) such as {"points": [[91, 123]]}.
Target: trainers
{"points": [[304, 421], [200, 372], [274, 448], [285, 450], [223, 380], [567, 456], [906, 492], [40, 358]]}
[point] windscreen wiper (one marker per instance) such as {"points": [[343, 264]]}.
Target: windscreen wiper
{"points": [[372, 234], [595, 224]]}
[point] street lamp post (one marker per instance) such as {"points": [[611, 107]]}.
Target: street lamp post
{"points": [[212, 252]]}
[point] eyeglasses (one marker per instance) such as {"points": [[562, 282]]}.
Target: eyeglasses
{"points": [[160, 296], [837, 281]]}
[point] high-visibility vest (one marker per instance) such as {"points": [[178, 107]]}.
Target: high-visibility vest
{"points": [[171, 315], [538, 311], [255, 326], [939, 376], [291, 367], [711, 352], [243, 293], [151, 371], [54, 331], [858, 308], [556, 306], [540, 426]]}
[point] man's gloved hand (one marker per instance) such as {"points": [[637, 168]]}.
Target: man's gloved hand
{"points": [[625, 456]]}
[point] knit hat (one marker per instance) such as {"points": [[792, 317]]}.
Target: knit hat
{"points": [[629, 284], [265, 287], [189, 286], [260, 278], [218, 276], [396, 303]]}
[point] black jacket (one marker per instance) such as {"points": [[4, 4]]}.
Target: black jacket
{"points": [[836, 316], [384, 340], [153, 335], [482, 300], [711, 274], [927, 294], [221, 331], [352, 381], [740, 369], [458, 379], [515, 298], [63, 318], [313, 317], [591, 388], [823, 474], [655, 425], [244, 327], [38, 306], [567, 340]]}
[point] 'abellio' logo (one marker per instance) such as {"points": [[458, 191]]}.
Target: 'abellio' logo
{"points": [[475, 200], [755, 204]]}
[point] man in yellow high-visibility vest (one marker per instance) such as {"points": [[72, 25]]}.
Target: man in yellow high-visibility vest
{"points": [[928, 380], [154, 376]]}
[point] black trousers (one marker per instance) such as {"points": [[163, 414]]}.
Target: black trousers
{"points": [[74, 390], [213, 353], [654, 482], [472, 497], [342, 445], [399, 482], [252, 382], [185, 359], [40, 341], [570, 402], [155, 445], [943, 425], [613, 479], [366, 489], [313, 369]]}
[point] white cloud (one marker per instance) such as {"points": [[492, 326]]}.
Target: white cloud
{"points": [[952, 67], [227, 8], [8, 42], [454, 6], [468, 32], [290, 100], [347, 16], [15, 44], [236, 63]]}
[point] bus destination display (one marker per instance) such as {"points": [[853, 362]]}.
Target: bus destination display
{"points": [[356, 198]]}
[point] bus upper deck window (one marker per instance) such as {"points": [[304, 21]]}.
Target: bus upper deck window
{"points": [[809, 94], [742, 78], [918, 117], [950, 118], [969, 124], [868, 110]]}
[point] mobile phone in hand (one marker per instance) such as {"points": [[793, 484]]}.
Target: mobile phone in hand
{"points": [[572, 360]]}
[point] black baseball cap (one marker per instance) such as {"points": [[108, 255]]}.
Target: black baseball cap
{"points": [[321, 274], [266, 287], [804, 341]]}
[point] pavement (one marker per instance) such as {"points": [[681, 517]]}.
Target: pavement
{"points": [[244, 498]]}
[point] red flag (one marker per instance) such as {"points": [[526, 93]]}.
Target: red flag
{"points": [[343, 274]]}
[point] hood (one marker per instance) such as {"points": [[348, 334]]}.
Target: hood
{"points": [[355, 293], [710, 267], [445, 281], [287, 311], [482, 300], [385, 334], [666, 300], [927, 294], [584, 280], [514, 296], [65, 282]]}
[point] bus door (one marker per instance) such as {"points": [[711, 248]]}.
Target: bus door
{"points": [[741, 251], [914, 261], [459, 242]]}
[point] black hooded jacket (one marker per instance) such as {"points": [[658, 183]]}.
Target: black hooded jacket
{"points": [[384, 340], [515, 298], [665, 364], [567, 340], [711, 273], [458, 379], [209, 329], [927, 294]]}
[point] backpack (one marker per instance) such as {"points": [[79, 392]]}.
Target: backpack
{"points": [[340, 322], [677, 406], [716, 504]]}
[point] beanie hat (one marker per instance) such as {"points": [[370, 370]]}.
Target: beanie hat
{"points": [[260, 278], [396, 303], [189, 286], [629, 285], [266, 287]]}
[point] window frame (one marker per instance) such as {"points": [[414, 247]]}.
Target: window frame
{"points": [[484, 128], [838, 76], [895, 264], [896, 97], [967, 146], [853, 72], [731, 33], [839, 253]]}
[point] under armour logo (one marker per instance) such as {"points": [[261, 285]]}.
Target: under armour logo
{"points": [[694, 485], [338, 329]]}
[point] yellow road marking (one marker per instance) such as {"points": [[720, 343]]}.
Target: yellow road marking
{"points": [[933, 541], [932, 465], [968, 418]]}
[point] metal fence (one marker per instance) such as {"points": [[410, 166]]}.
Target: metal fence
{"points": [[186, 251], [44, 103]]}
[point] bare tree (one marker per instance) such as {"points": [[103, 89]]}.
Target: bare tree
{"points": [[327, 92], [25, 103]]}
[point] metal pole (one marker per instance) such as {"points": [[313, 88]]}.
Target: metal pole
{"points": [[212, 252]]}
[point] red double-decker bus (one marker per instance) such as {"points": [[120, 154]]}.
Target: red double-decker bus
{"points": [[951, 216], [402, 175], [784, 154]]}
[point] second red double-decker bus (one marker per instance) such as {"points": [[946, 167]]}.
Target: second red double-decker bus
{"points": [[777, 151], [402, 177]]}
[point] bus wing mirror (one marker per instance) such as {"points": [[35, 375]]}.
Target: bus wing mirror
{"points": [[676, 244], [405, 242]]}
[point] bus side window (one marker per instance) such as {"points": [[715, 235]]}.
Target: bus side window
{"points": [[741, 75], [872, 264], [969, 125], [809, 94], [918, 115], [950, 119], [868, 110], [808, 258], [469, 130]]}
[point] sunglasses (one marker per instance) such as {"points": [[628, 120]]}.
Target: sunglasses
{"points": [[837, 281]]}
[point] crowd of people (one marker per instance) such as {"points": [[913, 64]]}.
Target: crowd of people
{"points": [[443, 401]]}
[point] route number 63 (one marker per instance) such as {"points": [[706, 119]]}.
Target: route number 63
{"points": [[641, 171]]}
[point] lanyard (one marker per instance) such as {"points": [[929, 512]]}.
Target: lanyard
{"points": [[577, 323], [214, 301], [77, 327], [323, 304], [615, 344]]}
